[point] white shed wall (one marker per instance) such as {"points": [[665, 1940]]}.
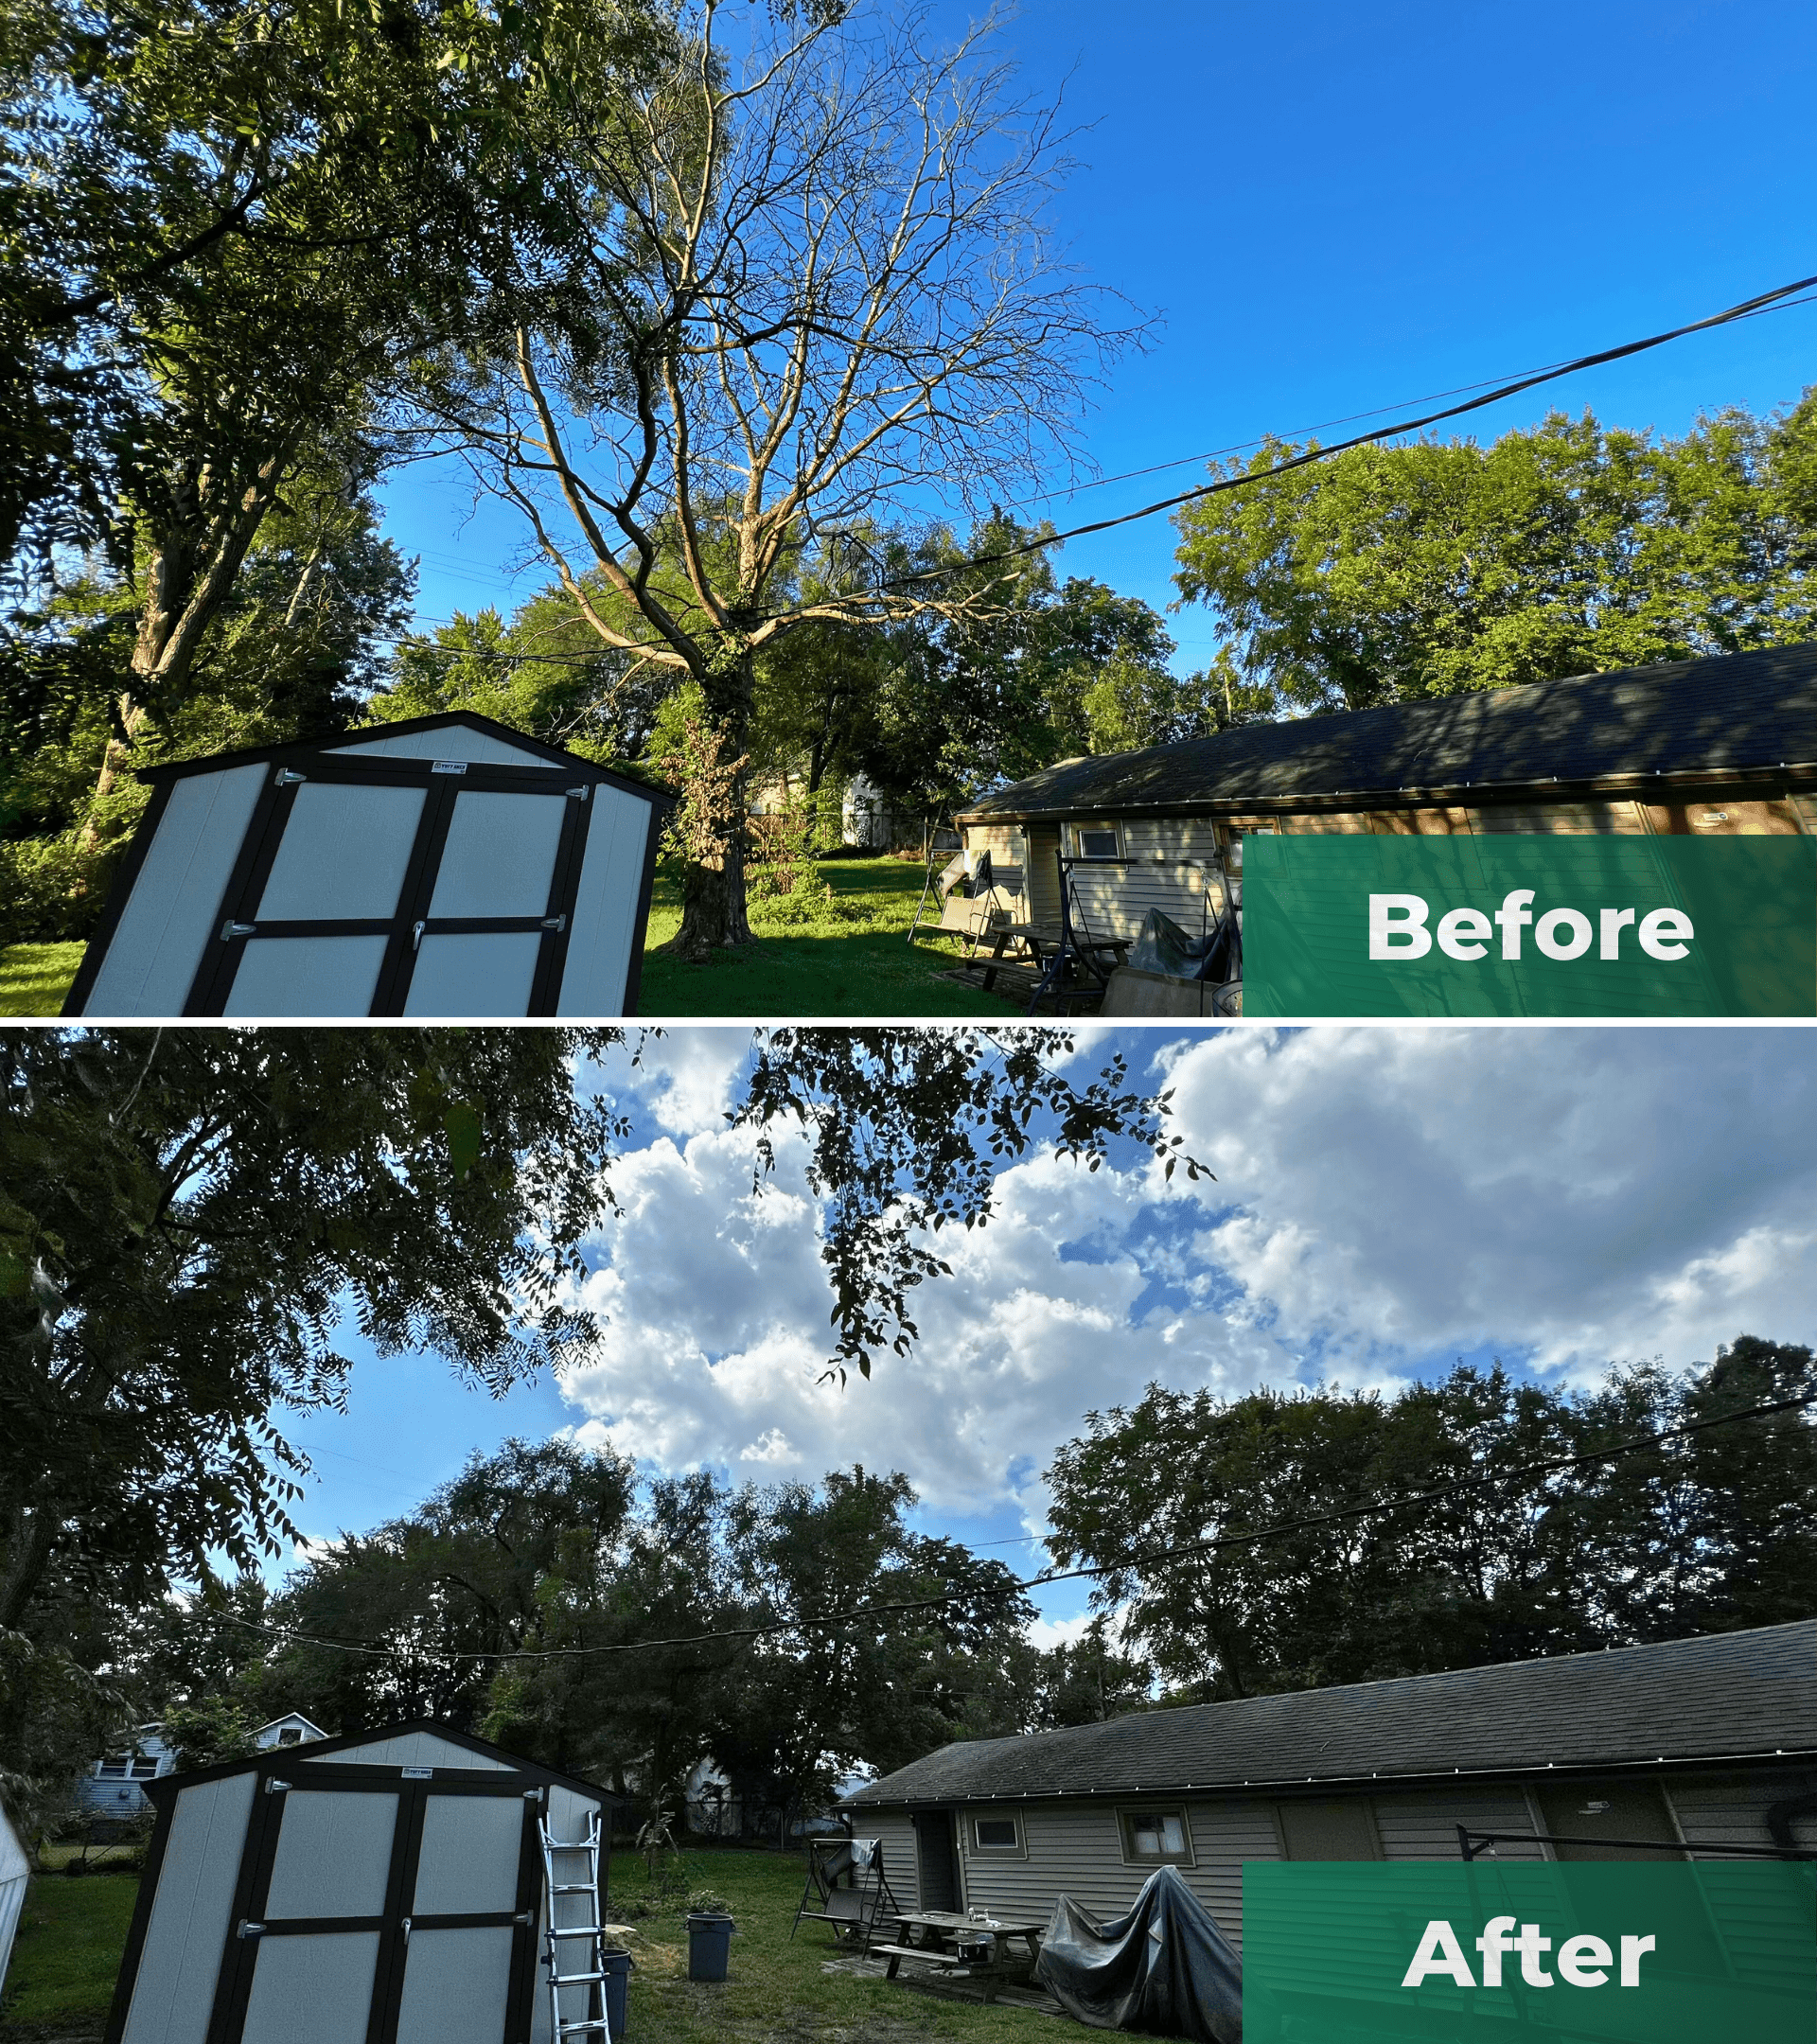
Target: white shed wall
{"points": [[171, 913], [174, 1990], [453, 742], [408, 1749], [569, 1816], [604, 925], [15, 1869]]}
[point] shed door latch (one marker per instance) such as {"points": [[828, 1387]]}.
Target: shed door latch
{"points": [[288, 777], [250, 1930], [557, 924], [577, 794], [230, 930]]}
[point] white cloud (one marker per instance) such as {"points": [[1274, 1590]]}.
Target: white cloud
{"points": [[1385, 1200]]}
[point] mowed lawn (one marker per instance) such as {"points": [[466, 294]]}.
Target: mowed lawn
{"points": [[74, 1931], [67, 1952], [844, 957]]}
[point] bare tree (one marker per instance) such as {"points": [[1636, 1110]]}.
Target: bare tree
{"points": [[822, 296]]}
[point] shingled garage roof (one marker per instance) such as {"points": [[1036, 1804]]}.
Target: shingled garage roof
{"points": [[1728, 1695], [1743, 711]]}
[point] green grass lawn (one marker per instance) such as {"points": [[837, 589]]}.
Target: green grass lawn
{"points": [[35, 977], [776, 1988], [74, 1932], [68, 1951], [848, 958]]}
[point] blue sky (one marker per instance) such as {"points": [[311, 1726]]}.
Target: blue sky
{"points": [[1337, 208], [1387, 1201]]}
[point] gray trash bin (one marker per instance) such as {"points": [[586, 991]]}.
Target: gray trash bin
{"points": [[709, 1945], [617, 1968]]}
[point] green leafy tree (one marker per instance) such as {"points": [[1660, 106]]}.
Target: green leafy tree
{"points": [[1390, 574], [288, 656], [221, 231], [1707, 1533], [825, 1693]]}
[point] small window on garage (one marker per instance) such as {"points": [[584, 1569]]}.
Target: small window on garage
{"points": [[1095, 840], [1000, 1832], [1157, 1836]]}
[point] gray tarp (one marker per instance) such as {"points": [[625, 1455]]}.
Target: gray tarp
{"points": [[1165, 1968], [1162, 946]]}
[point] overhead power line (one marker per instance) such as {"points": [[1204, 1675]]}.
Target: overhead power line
{"points": [[1189, 1551], [1765, 301], [1779, 299]]}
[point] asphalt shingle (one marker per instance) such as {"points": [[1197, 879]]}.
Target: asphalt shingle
{"points": [[1727, 1694], [1743, 710]]}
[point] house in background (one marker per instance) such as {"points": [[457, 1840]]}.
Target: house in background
{"points": [[292, 1729], [1708, 748], [1688, 1744], [115, 1787]]}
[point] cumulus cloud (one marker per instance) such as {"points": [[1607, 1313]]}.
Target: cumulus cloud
{"points": [[1386, 1200]]}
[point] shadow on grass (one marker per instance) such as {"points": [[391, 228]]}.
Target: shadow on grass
{"points": [[849, 960], [35, 977]]}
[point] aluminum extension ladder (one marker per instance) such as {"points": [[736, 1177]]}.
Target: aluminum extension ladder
{"points": [[582, 1941]]}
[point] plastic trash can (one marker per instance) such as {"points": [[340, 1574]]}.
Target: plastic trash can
{"points": [[617, 1968], [709, 1945]]}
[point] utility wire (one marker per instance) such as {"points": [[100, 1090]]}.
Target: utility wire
{"points": [[1772, 301], [1744, 310], [826, 1621]]}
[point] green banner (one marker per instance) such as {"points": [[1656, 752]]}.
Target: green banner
{"points": [[1517, 926], [1484, 1949]]}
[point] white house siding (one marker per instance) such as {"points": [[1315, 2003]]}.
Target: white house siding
{"points": [[1585, 819], [1425, 1826], [1076, 1848], [1731, 1809], [174, 1990], [900, 1867]]}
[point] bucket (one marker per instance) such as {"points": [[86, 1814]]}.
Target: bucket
{"points": [[709, 1945]]}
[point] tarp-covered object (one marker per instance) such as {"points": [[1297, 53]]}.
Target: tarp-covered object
{"points": [[1162, 946], [1164, 1968]]}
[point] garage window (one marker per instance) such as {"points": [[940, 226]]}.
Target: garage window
{"points": [[1096, 840], [1159, 1836], [1002, 1832]]}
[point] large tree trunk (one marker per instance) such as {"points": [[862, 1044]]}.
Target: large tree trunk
{"points": [[190, 576], [712, 899]]}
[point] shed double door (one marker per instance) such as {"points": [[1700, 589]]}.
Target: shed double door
{"points": [[383, 1912], [398, 886]]}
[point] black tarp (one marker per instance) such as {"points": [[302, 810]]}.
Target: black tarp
{"points": [[1165, 1968]]}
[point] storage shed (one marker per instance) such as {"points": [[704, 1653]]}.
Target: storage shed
{"points": [[1706, 747], [1685, 1745], [444, 865], [384, 1888], [15, 1872]]}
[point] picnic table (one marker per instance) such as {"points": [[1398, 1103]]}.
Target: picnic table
{"points": [[977, 1944], [1100, 956]]}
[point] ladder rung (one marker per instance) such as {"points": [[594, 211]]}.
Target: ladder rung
{"points": [[572, 1888], [575, 1980], [575, 1929], [591, 2022]]}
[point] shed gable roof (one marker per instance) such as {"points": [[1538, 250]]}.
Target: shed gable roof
{"points": [[1727, 1694], [1741, 711], [502, 745]]}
